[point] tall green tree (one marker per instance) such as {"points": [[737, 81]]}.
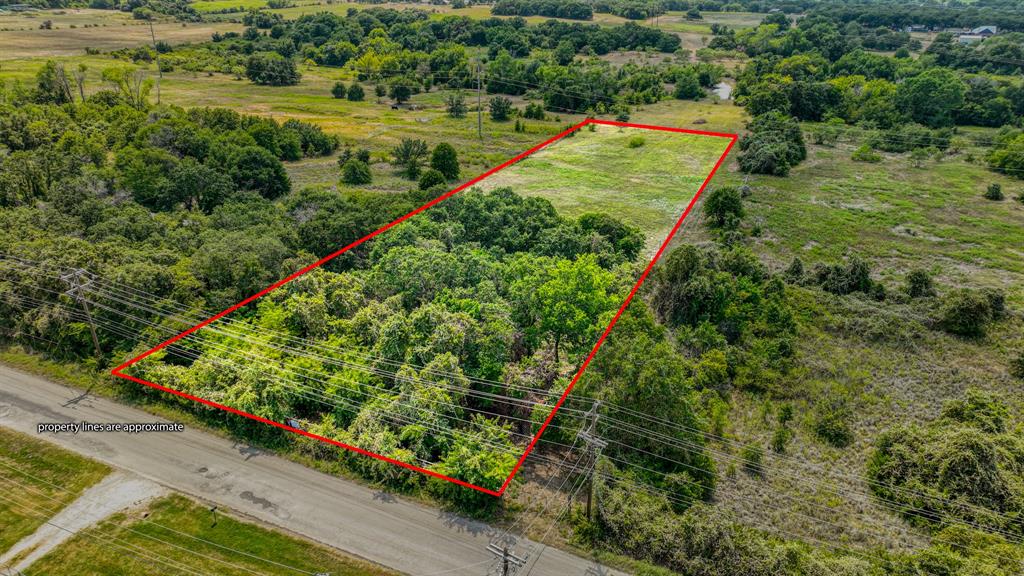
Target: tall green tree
{"points": [[408, 156], [254, 168], [932, 96], [572, 299], [445, 160]]}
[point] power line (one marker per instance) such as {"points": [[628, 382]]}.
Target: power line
{"points": [[699, 448], [668, 495]]}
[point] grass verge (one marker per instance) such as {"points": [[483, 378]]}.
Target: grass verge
{"points": [[30, 472]]}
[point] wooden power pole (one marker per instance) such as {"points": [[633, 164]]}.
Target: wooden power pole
{"points": [[74, 279]]}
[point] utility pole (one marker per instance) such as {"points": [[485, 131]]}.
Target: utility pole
{"points": [[594, 445], [159, 71], [509, 561], [73, 279], [479, 101]]}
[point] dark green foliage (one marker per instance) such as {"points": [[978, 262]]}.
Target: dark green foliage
{"points": [[780, 438], [994, 192], [1017, 366], [400, 89], [500, 108], [909, 137], [794, 273], [919, 284], [146, 174], [53, 84], [831, 420], [723, 207], [355, 171], [931, 97], [408, 156], [785, 414], [638, 364], [363, 155], [865, 153], [314, 141], [963, 464], [534, 111], [570, 10], [774, 145], [455, 105], [271, 69], [728, 294], [355, 93], [200, 187], [339, 90], [445, 160], [254, 168], [853, 276], [688, 86], [752, 456], [626, 239], [965, 312], [431, 178]]}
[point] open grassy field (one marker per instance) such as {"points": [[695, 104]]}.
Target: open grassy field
{"points": [[64, 18], [224, 5], [880, 356], [897, 215], [648, 185], [34, 473], [670, 21], [180, 530], [75, 29]]}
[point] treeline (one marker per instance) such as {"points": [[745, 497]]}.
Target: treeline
{"points": [[550, 8], [1005, 14], [161, 158], [403, 53], [642, 9], [817, 71]]}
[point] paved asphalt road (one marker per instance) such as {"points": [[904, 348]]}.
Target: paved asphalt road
{"points": [[402, 535]]}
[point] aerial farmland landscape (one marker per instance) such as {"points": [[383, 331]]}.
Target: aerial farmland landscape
{"points": [[550, 287]]}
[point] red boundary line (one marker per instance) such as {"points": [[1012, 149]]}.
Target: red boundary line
{"points": [[118, 371]]}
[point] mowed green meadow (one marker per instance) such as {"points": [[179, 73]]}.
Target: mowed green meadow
{"points": [[645, 177], [177, 532], [38, 479]]}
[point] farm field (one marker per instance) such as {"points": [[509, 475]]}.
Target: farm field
{"points": [[75, 29]]}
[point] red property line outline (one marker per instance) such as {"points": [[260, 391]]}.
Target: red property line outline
{"points": [[118, 371]]}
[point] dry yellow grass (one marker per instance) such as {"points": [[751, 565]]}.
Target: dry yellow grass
{"points": [[107, 30]]}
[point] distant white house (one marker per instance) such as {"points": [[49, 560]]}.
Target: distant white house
{"points": [[985, 31], [975, 35]]}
